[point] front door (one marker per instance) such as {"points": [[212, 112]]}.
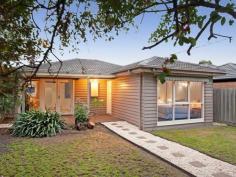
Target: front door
{"points": [[58, 96], [50, 95]]}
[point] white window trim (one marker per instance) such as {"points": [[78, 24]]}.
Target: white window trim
{"points": [[184, 121], [178, 122]]}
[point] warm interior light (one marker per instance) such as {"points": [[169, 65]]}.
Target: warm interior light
{"points": [[123, 85], [94, 87], [196, 105], [183, 84]]}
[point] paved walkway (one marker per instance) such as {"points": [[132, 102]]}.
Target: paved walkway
{"points": [[192, 161], [5, 125]]}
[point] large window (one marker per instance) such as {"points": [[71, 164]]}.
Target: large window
{"points": [[180, 100]]}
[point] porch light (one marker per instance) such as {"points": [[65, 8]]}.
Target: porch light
{"points": [[94, 87]]}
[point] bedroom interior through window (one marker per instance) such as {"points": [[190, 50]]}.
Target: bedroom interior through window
{"points": [[180, 100]]}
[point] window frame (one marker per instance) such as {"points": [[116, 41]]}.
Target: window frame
{"points": [[188, 103]]}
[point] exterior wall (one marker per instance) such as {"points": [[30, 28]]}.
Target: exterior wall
{"points": [[126, 98], [81, 91], [149, 102], [223, 85], [208, 104]]}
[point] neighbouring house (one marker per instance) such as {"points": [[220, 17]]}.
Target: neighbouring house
{"points": [[132, 92], [229, 79]]}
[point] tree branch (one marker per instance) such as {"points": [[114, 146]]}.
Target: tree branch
{"points": [[162, 40], [199, 34]]}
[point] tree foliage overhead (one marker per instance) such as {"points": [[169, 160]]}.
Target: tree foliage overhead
{"points": [[205, 62], [31, 30]]}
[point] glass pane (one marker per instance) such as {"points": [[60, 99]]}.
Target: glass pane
{"points": [[50, 96], [181, 112], [181, 91], [68, 90], [195, 92], [195, 111], [65, 97], [165, 92], [165, 112]]}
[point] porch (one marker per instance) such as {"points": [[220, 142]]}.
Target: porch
{"points": [[62, 95]]}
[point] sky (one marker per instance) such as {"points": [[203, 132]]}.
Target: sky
{"points": [[127, 47]]}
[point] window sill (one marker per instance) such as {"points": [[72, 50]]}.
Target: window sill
{"points": [[178, 122]]}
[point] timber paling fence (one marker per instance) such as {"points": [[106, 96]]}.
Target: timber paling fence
{"points": [[224, 106]]}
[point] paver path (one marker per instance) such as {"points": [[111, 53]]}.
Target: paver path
{"points": [[5, 125], [192, 161]]}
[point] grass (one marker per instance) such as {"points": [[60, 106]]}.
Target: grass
{"points": [[216, 141], [95, 152]]}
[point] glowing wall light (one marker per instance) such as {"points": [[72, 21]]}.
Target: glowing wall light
{"points": [[94, 87]]}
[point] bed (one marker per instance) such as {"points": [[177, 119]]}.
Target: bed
{"points": [[165, 112]]}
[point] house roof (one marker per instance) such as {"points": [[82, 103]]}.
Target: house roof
{"points": [[80, 66], [157, 62], [230, 70], [101, 68]]}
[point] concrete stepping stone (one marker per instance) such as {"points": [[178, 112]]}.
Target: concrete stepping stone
{"points": [[162, 147], [197, 164], [150, 141], [141, 137], [221, 174], [119, 126], [125, 129], [178, 154], [132, 133]]}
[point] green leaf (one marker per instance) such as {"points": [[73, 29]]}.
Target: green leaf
{"points": [[173, 58], [223, 20], [231, 22], [192, 41], [162, 78]]}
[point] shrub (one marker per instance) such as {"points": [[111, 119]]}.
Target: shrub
{"points": [[8, 103], [37, 124], [81, 113]]}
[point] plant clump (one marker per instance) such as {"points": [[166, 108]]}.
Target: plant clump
{"points": [[37, 124]]}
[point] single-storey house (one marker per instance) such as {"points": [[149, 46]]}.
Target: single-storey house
{"points": [[229, 79], [132, 93]]}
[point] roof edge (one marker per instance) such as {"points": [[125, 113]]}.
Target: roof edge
{"points": [[59, 75]]}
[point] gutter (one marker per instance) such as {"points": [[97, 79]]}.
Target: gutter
{"points": [[60, 75], [224, 80], [153, 69]]}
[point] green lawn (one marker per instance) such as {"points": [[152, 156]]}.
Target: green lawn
{"points": [[97, 152], [216, 141]]}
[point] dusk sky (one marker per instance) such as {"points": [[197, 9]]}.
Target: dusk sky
{"points": [[127, 47]]}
